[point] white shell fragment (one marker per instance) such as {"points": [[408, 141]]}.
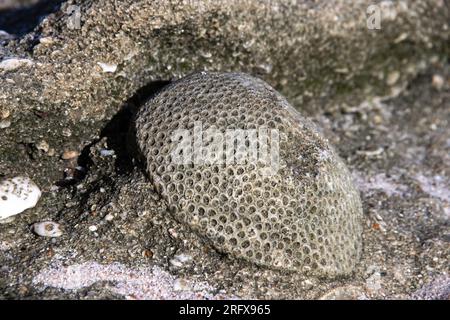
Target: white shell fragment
{"points": [[47, 229], [181, 285], [180, 260], [107, 68], [5, 124], [11, 64], [46, 40], [17, 195], [106, 153]]}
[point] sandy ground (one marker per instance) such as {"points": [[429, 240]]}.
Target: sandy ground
{"points": [[120, 242]]}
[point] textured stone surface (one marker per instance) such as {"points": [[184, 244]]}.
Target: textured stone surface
{"points": [[304, 215], [317, 53], [313, 51]]}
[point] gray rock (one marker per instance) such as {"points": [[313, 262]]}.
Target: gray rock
{"points": [[240, 166]]}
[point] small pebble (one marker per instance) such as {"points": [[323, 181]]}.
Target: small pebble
{"points": [[51, 152], [43, 146], [107, 68], [66, 132], [5, 124], [377, 119], [47, 229], [307, 284], [180, 259], [69, 154], [46, 40], [106, 153], [4, 114], [393, 78], [401, 38], [173, 233], [437, 82], [93, 228], [181, 285], [109, 217], [147, 253]]}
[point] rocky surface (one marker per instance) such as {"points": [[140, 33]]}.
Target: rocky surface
{"points": [[64, 122], [317, 53]]}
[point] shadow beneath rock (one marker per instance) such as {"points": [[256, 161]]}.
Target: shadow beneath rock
{"points": [[119, 132], [119, 137]]}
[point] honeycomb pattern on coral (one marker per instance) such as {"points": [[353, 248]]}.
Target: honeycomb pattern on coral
{"points": [[306, 216]]}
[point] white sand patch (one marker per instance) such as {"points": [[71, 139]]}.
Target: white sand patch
{"points": [[437, 187], [379, 182], [133, 283]]}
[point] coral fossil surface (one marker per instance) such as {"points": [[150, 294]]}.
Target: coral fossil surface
{"points": [[104, 227], [298, 211]]}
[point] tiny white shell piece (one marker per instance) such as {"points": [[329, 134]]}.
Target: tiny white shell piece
{"points": [[180, 259], [181, 285], [106, 153], [107, 68], [47, 229], [46, 40], [10, 64], [17, 195]]}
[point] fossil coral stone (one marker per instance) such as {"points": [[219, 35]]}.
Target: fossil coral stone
{"points": [[296, 209]]}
